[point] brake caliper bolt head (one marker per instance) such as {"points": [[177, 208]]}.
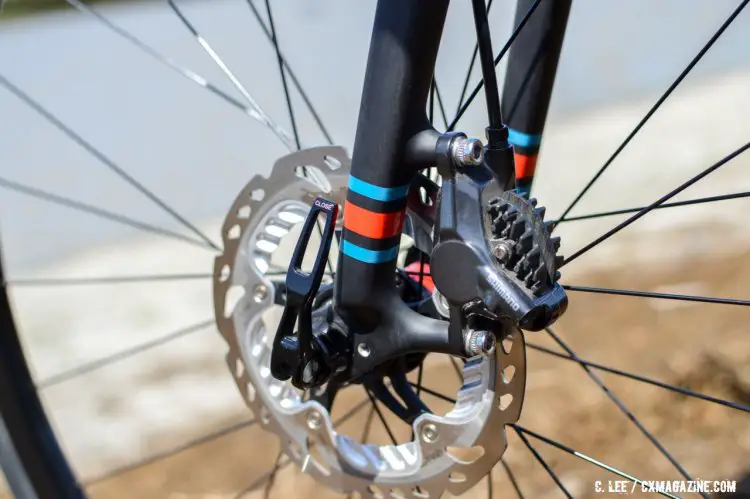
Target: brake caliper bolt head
{"points": [[501, 249], [480, 342], [467, 152]]}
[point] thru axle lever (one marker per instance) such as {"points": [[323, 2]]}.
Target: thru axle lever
{"points": [[298, 356]]}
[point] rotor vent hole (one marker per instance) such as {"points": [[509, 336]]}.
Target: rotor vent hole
{"points": [[290, 217], [235, 365], [232, 298], [419, 492], [333, 163], [507, 344], [505, 401], [225, 273], [275, 230], [265, 416], [317, 457], [508, 373], [234, 232], [258, 195], [375, 491], [466, 455], [457, 477], [243, 212]]}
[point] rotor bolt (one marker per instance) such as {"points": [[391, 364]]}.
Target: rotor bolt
{"points": [[480, 342], [260, 293], [314, 420], [429, 433], [363, 350], [467, 151]]}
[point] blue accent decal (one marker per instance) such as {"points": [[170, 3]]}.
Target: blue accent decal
{"points": [[378, 193], [366, 255], [521, 139]]}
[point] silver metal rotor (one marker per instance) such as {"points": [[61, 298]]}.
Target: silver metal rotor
{"points": [[451, 452]]}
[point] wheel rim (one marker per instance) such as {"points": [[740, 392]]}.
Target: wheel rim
{"points": [[592, 289]]}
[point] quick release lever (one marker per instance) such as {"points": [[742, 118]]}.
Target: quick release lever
{"points": [[294, 355]]}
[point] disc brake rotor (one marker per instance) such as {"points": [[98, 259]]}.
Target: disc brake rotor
{"points": [[451, 452]]}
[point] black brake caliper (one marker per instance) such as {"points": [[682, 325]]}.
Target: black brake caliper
{"points": [[507, 261]]}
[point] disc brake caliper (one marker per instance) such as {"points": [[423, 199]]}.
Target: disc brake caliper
{"points": [[514, 274]]}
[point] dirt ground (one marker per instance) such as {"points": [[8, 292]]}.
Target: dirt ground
{"points": [[702, 347]]}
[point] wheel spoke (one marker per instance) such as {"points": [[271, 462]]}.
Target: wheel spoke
{"points": [[642, 379], [497, 60], [457, 368], [282, 73], [264, 118], [441, 106], [263, 479], [99, 212], [512, 478], [541, 461], [168, 453], [665, 296], [520, 430], [621, 406], [185, 72], [656, 203], [436, 394], [420, 370], [656, 106], [431, 103], [106, 161], [272, 478], [76, 281], [346, 417], [121, 355], [381, 417], [709, 199], [292, 76]]}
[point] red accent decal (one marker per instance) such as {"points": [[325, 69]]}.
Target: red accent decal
{"points": [[525, 165], [370, 224]]}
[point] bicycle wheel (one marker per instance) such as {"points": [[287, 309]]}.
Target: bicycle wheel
{"points": [[147, 414]]}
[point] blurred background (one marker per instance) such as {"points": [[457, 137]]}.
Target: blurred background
{"points": [[196, 153]]}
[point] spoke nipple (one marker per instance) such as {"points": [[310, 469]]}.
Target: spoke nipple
{"points": [[314, 420], [429, 433], [480, 342], [467, 151]]}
